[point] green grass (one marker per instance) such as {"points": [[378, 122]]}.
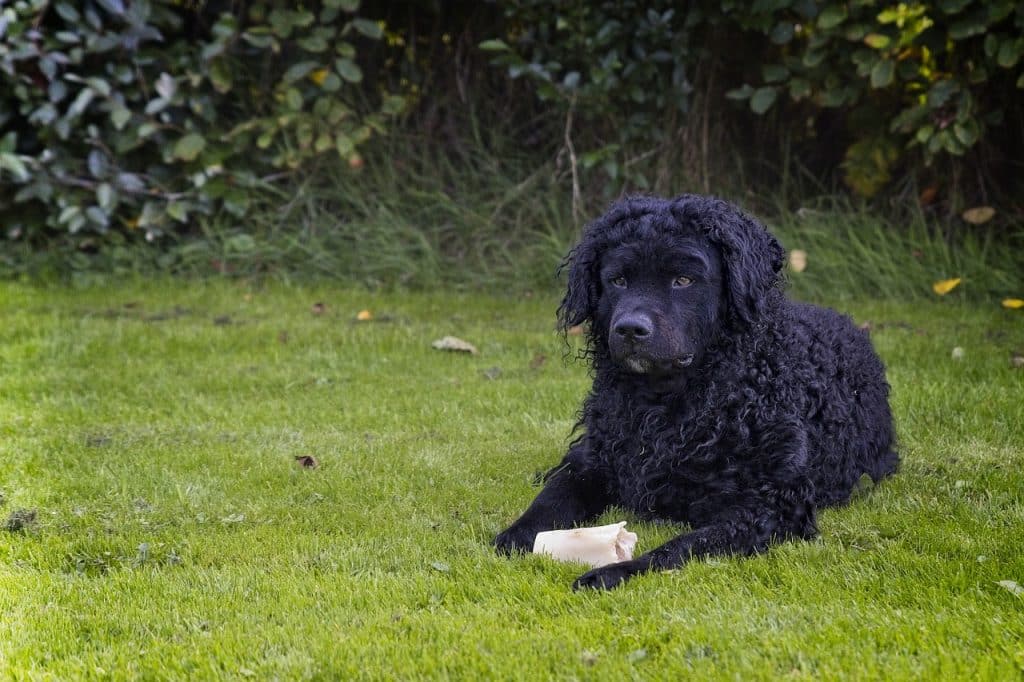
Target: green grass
{"points": [[154, 429]]}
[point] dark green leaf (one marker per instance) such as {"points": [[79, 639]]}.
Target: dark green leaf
{"points": [[344, 145], [298, 71], [189, 147], [344, 5], [814, 57], [882, 73], [832, 16], [370, 29], [774, 73], [105, 196], [220, 75], [953, 6], [965, 28], [1009, 52], [494, 46], [740, 93], [782, 33], [13, 165], [348, 70], [878, 41], [799, 88], [763, 99], [120, 116], [393, 104], [967, 133], [115, 7], [178, 210], [940, 93]]}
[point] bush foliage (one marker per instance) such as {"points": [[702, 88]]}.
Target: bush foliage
{"points": [[913, 81], [122, 116], [124, 120]]}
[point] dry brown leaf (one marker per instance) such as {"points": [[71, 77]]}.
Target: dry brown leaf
{"points": [[307, 461], [928, 195], [19, 520], [318, 308], [978, 215], [364, 316], [452, 343]]}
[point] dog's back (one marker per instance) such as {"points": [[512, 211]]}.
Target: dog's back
{"points": [[849, 423]]}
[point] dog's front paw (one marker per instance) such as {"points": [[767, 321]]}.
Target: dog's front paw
{"points": [[607, 577], [515, 540]]}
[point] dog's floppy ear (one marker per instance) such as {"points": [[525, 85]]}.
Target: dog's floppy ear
{"points": [[580, 301], [752, 257]]}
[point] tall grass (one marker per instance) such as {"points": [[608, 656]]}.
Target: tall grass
{"points": [[480, 211], [853, 252]]}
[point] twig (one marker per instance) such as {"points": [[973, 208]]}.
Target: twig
{"points": [[577, 198]]}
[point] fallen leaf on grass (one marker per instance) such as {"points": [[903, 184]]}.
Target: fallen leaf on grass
{"points": [[307, 461], [978, 215], [928, 195], [1012, 586], [19, 520], [944, 286], [1013, 303], [364, 316], [318, 308], [797, 260], [452, 343]]}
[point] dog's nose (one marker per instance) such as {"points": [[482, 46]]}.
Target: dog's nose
{"points": [[634, 326]]}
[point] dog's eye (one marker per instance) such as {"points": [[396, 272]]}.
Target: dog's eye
{"points": [[680, 282], [619, 281]]}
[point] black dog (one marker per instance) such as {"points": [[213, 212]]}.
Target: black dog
{"points": [[716, 402]]}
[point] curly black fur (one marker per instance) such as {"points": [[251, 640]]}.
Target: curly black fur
{"points": [[716, 402]]}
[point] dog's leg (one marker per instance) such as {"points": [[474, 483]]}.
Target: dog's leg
{"points": [[742, 531], [569, 496]]}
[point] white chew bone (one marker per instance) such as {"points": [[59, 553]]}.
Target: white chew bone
{"points": [[596, 546]]}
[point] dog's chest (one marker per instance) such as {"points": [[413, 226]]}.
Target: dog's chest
{"points": [[666, 465]]}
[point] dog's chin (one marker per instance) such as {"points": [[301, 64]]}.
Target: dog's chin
{"points": [[656, 369]]}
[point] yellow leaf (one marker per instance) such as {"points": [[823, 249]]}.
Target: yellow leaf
{"points": [[797, 260], [364, 316], [978, 214], [318, 76], [945, 286], [1013, 303]]}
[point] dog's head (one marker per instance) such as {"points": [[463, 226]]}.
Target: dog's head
{"points": [[659, 279]]}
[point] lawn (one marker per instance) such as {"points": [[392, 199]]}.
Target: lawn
{"points": [[154, 429]]}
